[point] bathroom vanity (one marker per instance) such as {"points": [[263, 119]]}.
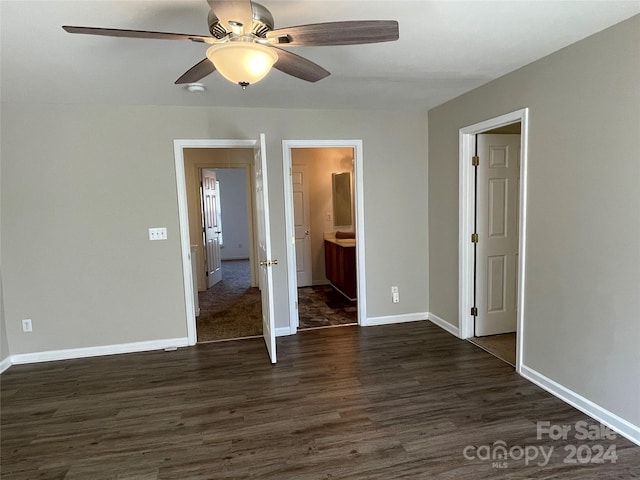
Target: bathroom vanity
{"points": [[340, 265]]}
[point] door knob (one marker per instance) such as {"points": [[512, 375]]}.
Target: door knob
{"points": [[306, 232]]}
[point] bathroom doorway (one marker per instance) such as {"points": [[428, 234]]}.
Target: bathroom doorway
{"points": [[323, 205]]}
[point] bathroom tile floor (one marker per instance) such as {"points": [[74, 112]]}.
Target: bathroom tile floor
{"points": [[323, 306]]}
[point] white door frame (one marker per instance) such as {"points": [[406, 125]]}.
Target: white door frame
{"points": [[356, 145], [466, 198], [183, 218]]}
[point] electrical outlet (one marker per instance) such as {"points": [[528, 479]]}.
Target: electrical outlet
{"points": [[158, 233], [395, 294], [27, 326]]}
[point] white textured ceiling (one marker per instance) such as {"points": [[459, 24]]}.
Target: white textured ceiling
{"points": [[445, 49]]}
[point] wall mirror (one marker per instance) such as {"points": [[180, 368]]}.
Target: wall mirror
{"points": [[342, 199]]}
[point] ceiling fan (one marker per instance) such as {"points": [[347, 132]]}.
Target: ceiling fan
{"points": [[244, 44]]}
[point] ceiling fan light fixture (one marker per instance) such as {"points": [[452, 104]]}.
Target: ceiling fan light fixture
{"points": [[242, 63]]}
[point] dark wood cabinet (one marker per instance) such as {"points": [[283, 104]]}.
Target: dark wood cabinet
{"points": [[340, 266]]}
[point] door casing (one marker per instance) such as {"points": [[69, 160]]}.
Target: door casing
{"points": [[466, 213], [356, 145]]}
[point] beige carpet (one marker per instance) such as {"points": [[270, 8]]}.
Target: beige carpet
{"points": [[231, 308], [502, 346]]}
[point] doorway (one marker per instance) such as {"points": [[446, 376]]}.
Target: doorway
{"points": [[311, 286], [321, 179], [229, 305], [261, 248], [493, 168]]}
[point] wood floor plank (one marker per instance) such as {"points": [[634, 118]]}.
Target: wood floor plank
{"points": [[390, 402]]}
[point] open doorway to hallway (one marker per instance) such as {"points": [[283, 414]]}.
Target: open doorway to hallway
{"points": [[261, 260], [221, 223]]}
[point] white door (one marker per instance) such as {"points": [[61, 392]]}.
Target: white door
{"points": [[302, 224], [497, 229], [264, 247], [212, 226]]}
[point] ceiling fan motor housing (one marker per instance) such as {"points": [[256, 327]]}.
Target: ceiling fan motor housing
{"points": [[262, 23]]}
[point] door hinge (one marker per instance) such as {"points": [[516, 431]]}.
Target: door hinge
{"points": [[290, 171], [296, 305], [474, 311], [268, 263], [475, 161], [474, 238]]}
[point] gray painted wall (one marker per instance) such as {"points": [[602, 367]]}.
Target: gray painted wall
{"points": [[4, 344], [583, 262], [82, 184]]}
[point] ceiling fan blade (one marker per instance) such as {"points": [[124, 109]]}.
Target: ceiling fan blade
{"points": [[336, 33], [299, 67], [116, 32], [233, 10], [197, 72]]}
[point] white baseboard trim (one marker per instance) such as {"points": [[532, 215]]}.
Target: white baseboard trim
{"points": [[452, 329], [72, 353], [390, 319], [283, 331], [604, 416], [5, 364]]}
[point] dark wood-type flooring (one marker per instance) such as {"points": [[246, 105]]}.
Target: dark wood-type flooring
{"points": [[389, 402]]}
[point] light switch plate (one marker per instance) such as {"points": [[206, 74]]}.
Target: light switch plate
{"points": [[158, 233]]}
